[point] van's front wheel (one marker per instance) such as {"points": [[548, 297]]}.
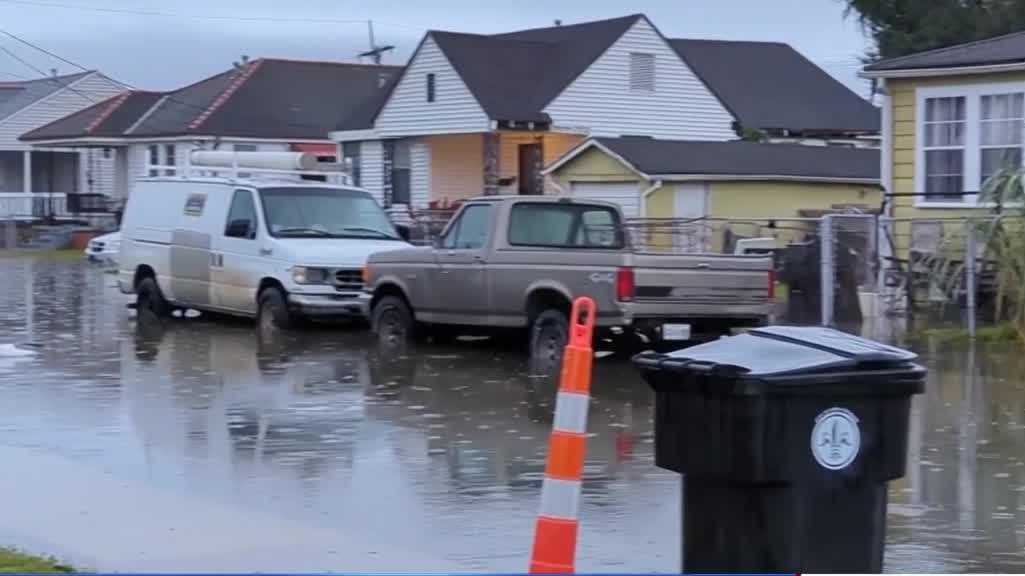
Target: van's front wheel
{"points": [[273, 314], [149, 299]]}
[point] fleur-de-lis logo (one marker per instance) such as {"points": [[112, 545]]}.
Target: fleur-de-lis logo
{"points": [[835, 439]]}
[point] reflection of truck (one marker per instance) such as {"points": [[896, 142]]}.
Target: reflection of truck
{"points": [[518, 262]]}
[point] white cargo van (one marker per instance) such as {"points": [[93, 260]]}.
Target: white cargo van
{"points": [[277, 249]]}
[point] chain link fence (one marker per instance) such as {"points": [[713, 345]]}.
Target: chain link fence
{"points": [[858, 272]]}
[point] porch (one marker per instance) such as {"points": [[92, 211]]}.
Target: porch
{"points": [[439, 171], [41, 185]]}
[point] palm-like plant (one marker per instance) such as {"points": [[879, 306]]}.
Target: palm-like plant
{"points": [[1003, 238]]}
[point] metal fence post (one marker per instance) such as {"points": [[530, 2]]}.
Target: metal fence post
{"points": [[971, 279], [11, 234], [828, 273]]}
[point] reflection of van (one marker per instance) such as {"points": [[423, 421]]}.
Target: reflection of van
{"points": [[275, 250]]}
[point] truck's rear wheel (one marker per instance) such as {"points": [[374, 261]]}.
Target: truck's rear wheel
{"points": [[273, 314], [392, 322], [150, 300], [548, 336]]}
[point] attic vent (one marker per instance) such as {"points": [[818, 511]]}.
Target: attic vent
{"points": [[642, 71]]}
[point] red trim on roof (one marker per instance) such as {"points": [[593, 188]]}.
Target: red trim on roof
{"points": [[115, 103], [231, 89], [316, 149]]}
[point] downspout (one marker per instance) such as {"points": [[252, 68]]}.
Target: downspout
{"points": [[886, 156], [644, 196]]}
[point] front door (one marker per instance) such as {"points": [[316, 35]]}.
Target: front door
{"points": [[529, 177], [237, 260], [460, 287]]}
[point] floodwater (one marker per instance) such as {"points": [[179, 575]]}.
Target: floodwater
{"points": [[197, 447]]}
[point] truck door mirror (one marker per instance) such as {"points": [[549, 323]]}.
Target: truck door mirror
{"points": [[404, 232], [239, 229]]}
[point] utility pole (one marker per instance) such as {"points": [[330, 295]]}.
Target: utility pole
{"points": [[375, 50]]}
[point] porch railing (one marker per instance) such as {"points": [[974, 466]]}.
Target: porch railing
{"points": [[43, 205]]}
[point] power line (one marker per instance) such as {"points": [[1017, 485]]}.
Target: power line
{"points": [[166, 96], [43, 74], [13, 75], [133, 12]]}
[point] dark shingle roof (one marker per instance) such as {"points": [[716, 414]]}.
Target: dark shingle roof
{"points": [[739, 158], [266, 98], [1006, 49], [515, 75], [770, 86], [107, 119], [16, 95]]}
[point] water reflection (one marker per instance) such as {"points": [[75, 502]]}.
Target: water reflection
{"points": [[417, 459]]}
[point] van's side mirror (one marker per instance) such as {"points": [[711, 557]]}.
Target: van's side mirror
{"points": [[404, 232], [239, 229]]}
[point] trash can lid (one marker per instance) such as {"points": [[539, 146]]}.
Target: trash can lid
{"points": [[783, 350]]}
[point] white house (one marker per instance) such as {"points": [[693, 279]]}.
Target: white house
{"points": [[35, 183], [266, 105], [474, 114]]}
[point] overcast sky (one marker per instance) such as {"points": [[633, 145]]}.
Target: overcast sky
{"points": [[165, 44]]}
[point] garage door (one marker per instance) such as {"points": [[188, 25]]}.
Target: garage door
{"points": [[625, 194]]}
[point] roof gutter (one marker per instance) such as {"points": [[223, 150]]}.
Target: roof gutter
{"points": [[947, 71], [761, 177]]}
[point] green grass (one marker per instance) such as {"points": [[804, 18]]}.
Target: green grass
{"points": [[13, 562], [69, 254], [997, 333]]}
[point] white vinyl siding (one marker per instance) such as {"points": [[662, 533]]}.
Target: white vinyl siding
{"points": [[372, 168], [407, 112], [420, 164], [83, 93], [457, 167], [680, 107], [626, 194]]}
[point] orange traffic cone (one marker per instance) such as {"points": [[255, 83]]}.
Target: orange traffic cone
{"points": [[555, 536]]}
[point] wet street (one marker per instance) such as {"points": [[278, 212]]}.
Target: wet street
{"points": [[197, 447]]}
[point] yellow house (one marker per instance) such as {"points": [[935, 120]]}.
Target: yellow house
{"points": [[950, 118], [719, 181]]}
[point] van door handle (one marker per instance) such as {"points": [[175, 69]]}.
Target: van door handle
{"points": [[702, 265], [266, 251]]}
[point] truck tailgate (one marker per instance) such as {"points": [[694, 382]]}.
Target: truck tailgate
{"points": [[712, 285]]}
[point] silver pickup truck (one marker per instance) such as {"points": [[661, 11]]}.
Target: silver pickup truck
{"points": [[519, 261]]}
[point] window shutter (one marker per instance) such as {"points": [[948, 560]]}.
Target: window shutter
{"points": [[642, 71]]}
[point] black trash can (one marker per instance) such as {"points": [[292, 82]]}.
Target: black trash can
{"points": [[786, 437]]}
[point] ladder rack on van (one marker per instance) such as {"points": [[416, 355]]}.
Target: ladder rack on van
{"points": [[258, 166]]}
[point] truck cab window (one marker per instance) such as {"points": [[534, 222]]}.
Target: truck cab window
{"points": [[242, 219], [470, 232]]}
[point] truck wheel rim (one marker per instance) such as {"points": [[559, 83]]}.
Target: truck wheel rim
{"points": [[392, 331], [550, 343]]}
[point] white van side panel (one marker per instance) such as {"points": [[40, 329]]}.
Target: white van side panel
{"points": [[160, 232]]}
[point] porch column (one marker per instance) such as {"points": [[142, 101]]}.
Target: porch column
{"points": [[492, 156], [26, 175]]}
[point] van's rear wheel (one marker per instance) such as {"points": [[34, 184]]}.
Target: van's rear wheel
{"points": [[273, 314], [392, 321], [548, 336], [150, 300]]}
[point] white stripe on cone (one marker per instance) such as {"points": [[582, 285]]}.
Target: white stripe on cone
{"points": [[571, 412], [560, 498]]}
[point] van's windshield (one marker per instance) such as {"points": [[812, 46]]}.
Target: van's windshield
{"points": [[296, 212]]}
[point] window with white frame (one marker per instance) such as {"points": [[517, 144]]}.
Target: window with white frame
{"points": [[153, 159], [169, 159], [944, 145], [1000, 133], [966, 134]]}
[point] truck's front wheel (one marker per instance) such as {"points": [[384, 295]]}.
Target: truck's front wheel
{"points": [[548, 336], [392, 322]]}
